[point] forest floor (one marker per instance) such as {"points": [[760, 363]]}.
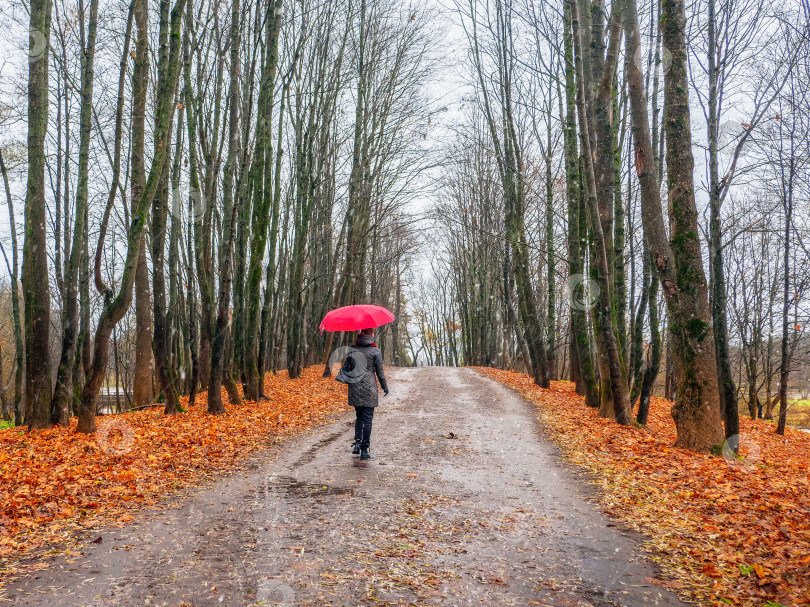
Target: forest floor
{"points": [[465, 502]]}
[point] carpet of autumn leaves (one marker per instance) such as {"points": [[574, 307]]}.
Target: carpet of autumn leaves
{"points": [[55, 483], [725, 531]]}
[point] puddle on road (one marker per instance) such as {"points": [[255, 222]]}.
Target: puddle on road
{"points": [[301, 489], [310, 454]]}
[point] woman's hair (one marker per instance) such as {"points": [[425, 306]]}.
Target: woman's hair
{"points": [[367, 331]]}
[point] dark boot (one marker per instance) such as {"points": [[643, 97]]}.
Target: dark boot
{"points": [[355, 447], [364, 454]]}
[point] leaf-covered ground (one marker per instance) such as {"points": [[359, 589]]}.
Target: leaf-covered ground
{"points": [[55, 483], [726, 530]]}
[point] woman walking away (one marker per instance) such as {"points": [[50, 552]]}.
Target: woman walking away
{"points": [[363, 394]]}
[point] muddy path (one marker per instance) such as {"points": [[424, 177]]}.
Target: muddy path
{"points": [[463, 503]]}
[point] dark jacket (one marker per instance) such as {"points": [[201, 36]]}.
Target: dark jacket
{"points": [[363, 391]]}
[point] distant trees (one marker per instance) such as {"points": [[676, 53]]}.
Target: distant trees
{"points": [[13, 271], [475, 278], [491, 39]]}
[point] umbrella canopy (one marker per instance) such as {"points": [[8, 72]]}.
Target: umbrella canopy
{"points": [[354, 318]]}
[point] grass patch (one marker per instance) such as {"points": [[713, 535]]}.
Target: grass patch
{"points": [[798, 413]]}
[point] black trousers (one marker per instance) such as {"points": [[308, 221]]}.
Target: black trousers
{"points": [[362, 425]]}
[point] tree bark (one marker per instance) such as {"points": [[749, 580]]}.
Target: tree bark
{"points": [[115, 307], [19, 346], [697, 409], [604, 310], [142, 374], [651, 372], [262, 204], [63, 391], [270, 292], [160, 203], [551, 278], [784, 361], [725, 379], [580, 350], [36, 289]]}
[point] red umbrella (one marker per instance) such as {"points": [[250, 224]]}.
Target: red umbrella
{"points": [[354, 318]]}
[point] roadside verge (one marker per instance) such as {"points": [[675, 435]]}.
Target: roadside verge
{"points": [[726, 530], [56, 485]]}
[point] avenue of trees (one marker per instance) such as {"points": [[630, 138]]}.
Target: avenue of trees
{"points": [[204, 180], [627, 196], [190, 185]]}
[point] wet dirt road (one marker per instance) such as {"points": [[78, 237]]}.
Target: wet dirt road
{"points": [[464, 503]]}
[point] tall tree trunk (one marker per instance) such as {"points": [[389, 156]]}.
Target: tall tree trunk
{"points": [[769, 402], [516, 234], [651, 372], [597, 75], [221, 332], [784, 362], [83, 341], [620, 401], [262, 205], [201, 211], [268, 308], [728, 391], [232, 210], [591, 29], [395, 359], [4, 408], [36, 289], [295, 297], [618, 270], [551, 278], [19, 346], [160, 342], [160, 203], [175, 307], [116, 306], [654, 363], [57, 232], [142, 374], [63, 391], [637, 344], [751, 368], [697, 409], [580, 339], [191, 300], [697, 406]]}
